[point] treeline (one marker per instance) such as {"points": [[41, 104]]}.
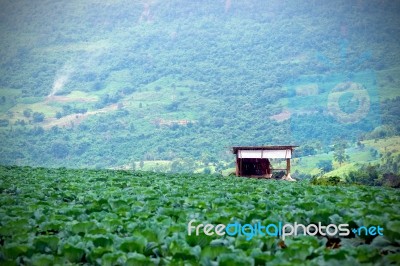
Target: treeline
{"points": [[115, 139]]}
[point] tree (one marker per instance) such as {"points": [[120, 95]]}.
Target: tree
{"points": [[36, 131], [306, 150], [207, 171], [339, 152], [97, 86], [4, 122], [20, 122], [82, 148], [38, 117], [59, 150], [325, 165], [172, 106], [27, 113]]}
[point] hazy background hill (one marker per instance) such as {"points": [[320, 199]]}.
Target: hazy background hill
{"points": [[173, 84]]}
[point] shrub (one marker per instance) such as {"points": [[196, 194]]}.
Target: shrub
{"points": [[326, 181], [4, 122]]}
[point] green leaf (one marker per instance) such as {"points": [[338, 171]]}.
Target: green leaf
{"points": [[368, 254], [51, 226], [72, 253], [82, 227], [97, 253], [202, 240], [338, 254], [134, 244], [14, 250], [392, 231], [213, 252], [110, 259], [151, 234], [242, 243], [46, 244], [392, 259], [234, 260], [103, 242], [42, 260], [136, 259], [261, 258], [117, 204]]}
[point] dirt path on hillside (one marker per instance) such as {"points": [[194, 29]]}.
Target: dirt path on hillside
{"points": [[75, 119], [64, 99]]}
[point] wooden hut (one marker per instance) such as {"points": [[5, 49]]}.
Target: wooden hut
{"points": [[254, 161]]}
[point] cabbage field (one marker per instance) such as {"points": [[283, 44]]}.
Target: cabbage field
{"points": [[109, 217]]}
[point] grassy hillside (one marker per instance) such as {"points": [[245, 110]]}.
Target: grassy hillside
{"points": [[104, 217]]}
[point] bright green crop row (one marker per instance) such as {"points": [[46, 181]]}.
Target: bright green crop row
{"points": [[104, 217]]}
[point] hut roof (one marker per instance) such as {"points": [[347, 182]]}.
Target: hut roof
{"points": [[284, 147]]}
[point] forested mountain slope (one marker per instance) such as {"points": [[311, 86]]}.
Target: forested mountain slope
{"points": [[105, 83]]}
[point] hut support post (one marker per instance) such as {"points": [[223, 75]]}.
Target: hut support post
{"points": [[287, 167], [237, 165]]}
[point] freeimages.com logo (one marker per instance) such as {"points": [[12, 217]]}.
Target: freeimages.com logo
{"points": [[280, 229]]}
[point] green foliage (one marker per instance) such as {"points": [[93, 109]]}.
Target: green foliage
{"points": [[326, 181], [172, 106], [38, 117], [229, 73], [325, 165], [339, 152], [59, 150], [108, 99], [306, 150], [4, 122], [68, 110], [105, 217], [27, 113], [384, 174]]}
